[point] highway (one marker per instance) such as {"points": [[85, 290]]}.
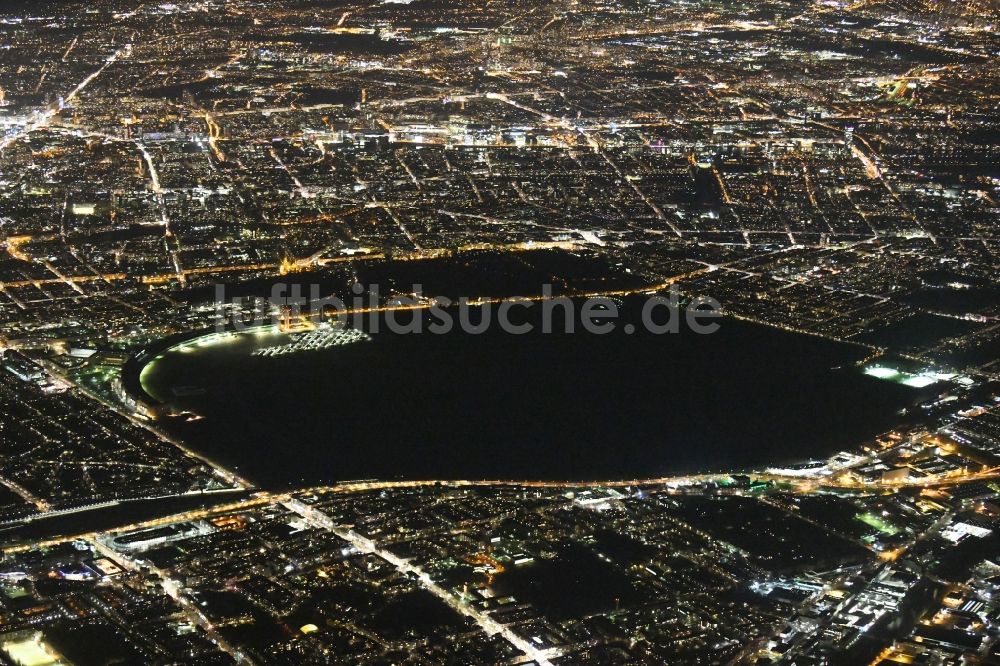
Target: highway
{"points": [[669, 485]]}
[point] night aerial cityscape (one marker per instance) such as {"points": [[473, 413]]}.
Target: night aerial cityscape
{"points": [[499, 332]]}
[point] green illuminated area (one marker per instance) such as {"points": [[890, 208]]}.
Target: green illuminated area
{"points": [[882, 526], [914, 380], [32, 651]]}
